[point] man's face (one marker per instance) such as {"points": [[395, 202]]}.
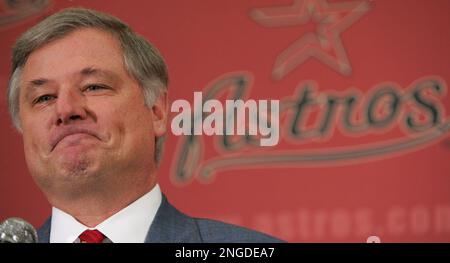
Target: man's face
{"points": [[84, 120]]}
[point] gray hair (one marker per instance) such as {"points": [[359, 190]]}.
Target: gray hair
{"points": [[142, 60]]}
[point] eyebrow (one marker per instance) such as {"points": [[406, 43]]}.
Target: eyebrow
{"points": [[86, 72], [91, 71], [37, 82]]}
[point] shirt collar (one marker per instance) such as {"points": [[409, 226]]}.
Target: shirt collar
{"points": [[129, 225]]}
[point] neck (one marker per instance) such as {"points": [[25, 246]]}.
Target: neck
{"points": [[94, 207]]}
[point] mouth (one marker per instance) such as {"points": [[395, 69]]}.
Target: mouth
{"points": [[73, 136]]}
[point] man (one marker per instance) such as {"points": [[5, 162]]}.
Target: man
{"points": [[90, 99]]}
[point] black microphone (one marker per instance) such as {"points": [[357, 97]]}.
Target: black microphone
{"points": [[17, 230]]}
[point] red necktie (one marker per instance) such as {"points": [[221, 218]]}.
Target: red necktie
{"points": [[91, 236]]}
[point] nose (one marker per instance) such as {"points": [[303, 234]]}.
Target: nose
{"points": [[70, 107]]}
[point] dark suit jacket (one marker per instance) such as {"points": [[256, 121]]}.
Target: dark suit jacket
{"points": [[172, 226]]}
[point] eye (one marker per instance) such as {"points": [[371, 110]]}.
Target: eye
{"points": [[44, 98], [94, 87]]}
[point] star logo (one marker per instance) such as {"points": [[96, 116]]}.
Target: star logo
{"points": [[325, 44]]}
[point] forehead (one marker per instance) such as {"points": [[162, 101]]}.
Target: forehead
{"points": [[70, 54]]}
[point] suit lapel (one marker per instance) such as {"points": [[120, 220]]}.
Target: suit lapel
{"points": [[171, 226], [44, 232]]}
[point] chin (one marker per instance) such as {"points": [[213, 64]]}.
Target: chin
{"points": [[74, 166]]}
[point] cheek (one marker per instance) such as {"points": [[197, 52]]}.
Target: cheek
{"points": [[125, 118], [135, 113], [130, 121], [137, 124], [35, 129], [34, 137], [33, 148]]}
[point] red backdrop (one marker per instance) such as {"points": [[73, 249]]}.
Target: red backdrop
{"points": [[364, 147]]}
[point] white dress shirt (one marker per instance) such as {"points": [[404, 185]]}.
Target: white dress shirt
{"points": [[129, 225]]}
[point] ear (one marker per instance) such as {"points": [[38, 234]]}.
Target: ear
{"points": [[160, 110]]}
